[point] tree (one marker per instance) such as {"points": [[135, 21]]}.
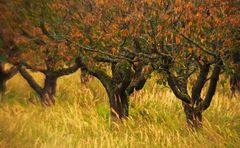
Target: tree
{"points": [[50, 31], [107, 35], [200, 36], [120, 85], [185, 39], [187, 42], [234, 43], [33, 35]]}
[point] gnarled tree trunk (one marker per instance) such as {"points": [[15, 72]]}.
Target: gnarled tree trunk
{"points": [[194, 105], [118, 87], [49, 90], [2, 88], [118, 103], [235, 78], [193, 116]]}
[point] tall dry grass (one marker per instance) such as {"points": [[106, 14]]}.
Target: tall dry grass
{"points": [[81, 119]]}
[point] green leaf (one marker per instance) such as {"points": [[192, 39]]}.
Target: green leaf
{"points": [[20, 49], [3, 58]]}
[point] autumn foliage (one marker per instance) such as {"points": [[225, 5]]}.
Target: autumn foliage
{"points": [[188, 43]]}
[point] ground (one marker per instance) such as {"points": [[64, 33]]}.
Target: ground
{"points": [[81, 118]]}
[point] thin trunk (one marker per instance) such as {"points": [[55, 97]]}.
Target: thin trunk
{"points": [[118, 103], [235, 84], [193, 116], [2, 89], [47, 99], [211, 88], [199, 84], [49, 91]]}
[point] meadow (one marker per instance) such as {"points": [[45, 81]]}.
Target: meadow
{"points": [[81, 118]]}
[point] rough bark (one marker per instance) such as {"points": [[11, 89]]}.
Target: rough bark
{"points": [[136, 84], [118, 86], [33, 84], [5, 75], [118, 103], [235, 81], [235, 84], [212, 87], [49, 90], [115, 86], [193, 116], [138, 79], [199, 84], [2, 90], [46, 93], [177, 92], [194, 105], [47, 99]]}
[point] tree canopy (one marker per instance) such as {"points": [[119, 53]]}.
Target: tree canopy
{"points": [[186, 42]]}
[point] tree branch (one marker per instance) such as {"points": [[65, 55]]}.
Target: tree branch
{"points": [[99, 74], [105, 59], [11, 72], [146, 55], [199, 84], [45, 31], [107, 53], [195, 43], [136, 84], [30, 80], [67, 71], [212, 86], [28, 66], [139, 79], [171, 82]]}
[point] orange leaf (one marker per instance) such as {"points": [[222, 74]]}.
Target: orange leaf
{"points": [[149, 2], [178, 2], [94, 54], [198, 51], [159, 28], [178, 40], [36, 31], [114, 50], [190, 50], [124, 32], [127, 19]]}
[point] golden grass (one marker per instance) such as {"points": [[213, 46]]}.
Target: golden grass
{"points": [[81, 119]]}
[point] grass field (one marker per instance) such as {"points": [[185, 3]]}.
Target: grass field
{"points": [[81, 119]]}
